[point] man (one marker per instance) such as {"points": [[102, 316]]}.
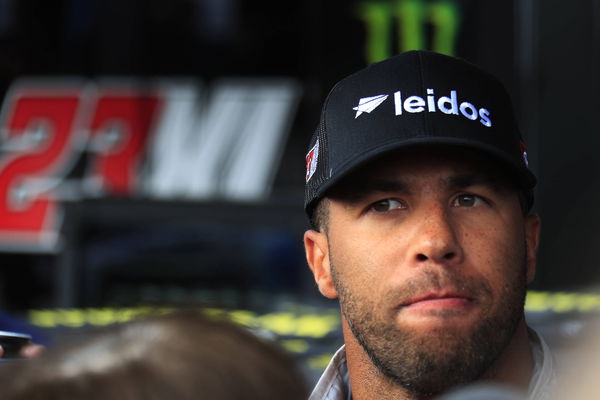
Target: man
{"points": [[419, 193]]}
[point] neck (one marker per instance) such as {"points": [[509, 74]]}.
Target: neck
{"points": [[514, 368], [515, 365]]}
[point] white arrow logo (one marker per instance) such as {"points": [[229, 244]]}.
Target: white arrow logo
{"points": [[368, 104]]}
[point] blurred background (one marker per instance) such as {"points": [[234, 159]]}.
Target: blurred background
{"points": [[152, 152]]}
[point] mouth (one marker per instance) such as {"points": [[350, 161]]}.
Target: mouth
{"points": [[438, 300]]}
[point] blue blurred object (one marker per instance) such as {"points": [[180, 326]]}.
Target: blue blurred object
{"points": [[12, 323]]}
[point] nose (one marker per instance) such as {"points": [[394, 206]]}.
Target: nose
{"points": [[436, 240]]}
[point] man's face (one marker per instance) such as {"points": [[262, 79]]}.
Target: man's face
{"points": [[429, 254]]}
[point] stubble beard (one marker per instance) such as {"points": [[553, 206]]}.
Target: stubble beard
{"points": [[427, 364]]}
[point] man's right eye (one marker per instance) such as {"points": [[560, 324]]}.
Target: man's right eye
{"points": [[387, 205]]}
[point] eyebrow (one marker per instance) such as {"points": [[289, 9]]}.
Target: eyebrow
{"points": [[374, 185], [492, 181], [364, 186], [462, 181]]}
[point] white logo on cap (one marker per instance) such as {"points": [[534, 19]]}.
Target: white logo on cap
{"points": [[417, 104], [311, 161], [368, 104]]}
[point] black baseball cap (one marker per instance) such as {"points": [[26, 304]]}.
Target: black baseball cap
{"points": [[415, 98]]}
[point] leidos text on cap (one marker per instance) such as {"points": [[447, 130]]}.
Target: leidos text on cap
{"points": [[416, 104]]}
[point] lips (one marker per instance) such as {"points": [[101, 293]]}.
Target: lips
{"points": [[438, 299]]}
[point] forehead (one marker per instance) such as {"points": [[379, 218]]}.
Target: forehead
{"points": [[446, 164]]}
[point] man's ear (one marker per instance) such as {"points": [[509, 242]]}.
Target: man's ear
{"points": [[317, 255], [532, 238]]}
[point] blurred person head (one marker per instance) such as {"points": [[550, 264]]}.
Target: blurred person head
{"points": [[178, 356], [580, 363], [484, 391]]}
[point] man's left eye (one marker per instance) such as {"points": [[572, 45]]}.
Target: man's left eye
{"points": [[467, 200]]}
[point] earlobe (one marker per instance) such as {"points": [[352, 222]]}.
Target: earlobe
{"points": [[317, 255], [532, 239]]}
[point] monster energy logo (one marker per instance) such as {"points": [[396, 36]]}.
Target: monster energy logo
{"points": [[412, 19]]}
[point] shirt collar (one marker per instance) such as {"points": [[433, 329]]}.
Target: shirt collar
{"points": [[544, 370], [334, 384]]}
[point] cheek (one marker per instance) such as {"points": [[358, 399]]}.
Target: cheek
{"points": [[496, 250], [359, 262]]}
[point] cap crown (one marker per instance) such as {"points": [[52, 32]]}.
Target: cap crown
{"points": [[417, 97]]}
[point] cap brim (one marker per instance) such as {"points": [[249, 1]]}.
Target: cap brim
{"points": [[523, 177]]}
